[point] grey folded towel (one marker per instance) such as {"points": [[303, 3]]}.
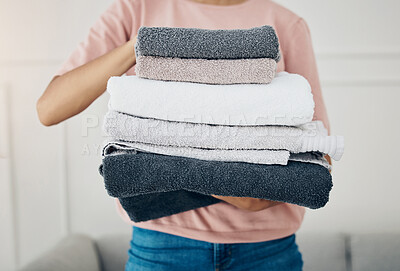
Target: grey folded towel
{"points": [[131, 174], [207, 71], [114, 147], [155, 205], [257, 42], [267, 157], [308, 137]]}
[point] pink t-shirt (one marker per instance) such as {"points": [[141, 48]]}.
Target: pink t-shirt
{"points": [[221, 222]]}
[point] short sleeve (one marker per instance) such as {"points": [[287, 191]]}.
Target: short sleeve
{"points": [[112, 29], [300, 58]]}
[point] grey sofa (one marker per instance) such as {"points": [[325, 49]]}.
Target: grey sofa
{"points": [[321, 252]]}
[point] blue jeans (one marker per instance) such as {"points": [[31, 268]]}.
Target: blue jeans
{"points": [[154, 250]]}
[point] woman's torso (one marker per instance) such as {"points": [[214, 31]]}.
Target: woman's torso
{"points": [[221, 222]]}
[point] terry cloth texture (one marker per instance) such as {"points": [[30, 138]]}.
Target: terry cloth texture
{"points": [[220, 71], [257, 42], [308, 137], [132, 174], [287, 100], [155, 205], [267, 157]]}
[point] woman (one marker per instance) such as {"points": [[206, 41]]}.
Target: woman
{"points": [[237, 233]]}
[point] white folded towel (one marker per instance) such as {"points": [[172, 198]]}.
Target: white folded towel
{"points": [[308, 137], [287, 100], [268, 157]]}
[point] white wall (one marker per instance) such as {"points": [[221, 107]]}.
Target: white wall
{"points": [[48, 187]]}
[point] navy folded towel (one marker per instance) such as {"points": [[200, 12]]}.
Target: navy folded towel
{"points": [[155, 205], [132, 174], [257, 42]]}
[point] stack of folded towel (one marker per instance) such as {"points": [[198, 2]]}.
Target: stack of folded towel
{"points": [[207, 114], [207, 56]]}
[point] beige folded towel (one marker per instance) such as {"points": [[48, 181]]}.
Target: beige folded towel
{"points": [[208, 71]]}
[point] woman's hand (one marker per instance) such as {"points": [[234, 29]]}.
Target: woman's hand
{"points": [[328, 158], [249, 204], [72, 92], [254, 204]]}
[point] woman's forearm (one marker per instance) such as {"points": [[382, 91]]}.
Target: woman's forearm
{"points": [[72, 92]]}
